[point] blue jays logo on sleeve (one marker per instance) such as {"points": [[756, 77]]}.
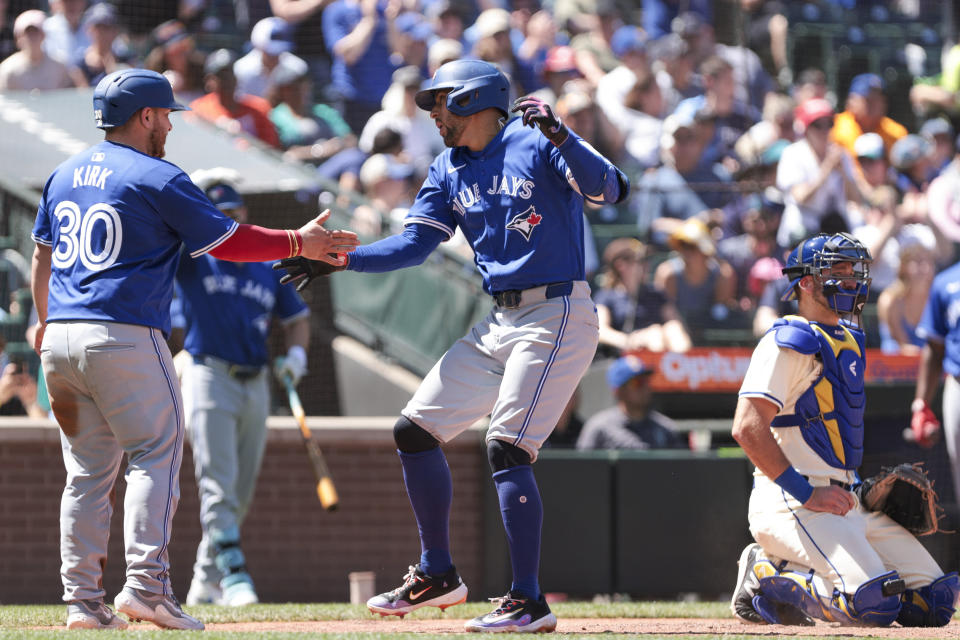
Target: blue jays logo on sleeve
{"points": [[526, 222]]}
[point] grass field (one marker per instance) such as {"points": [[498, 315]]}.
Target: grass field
{"points": [[27, 622]]}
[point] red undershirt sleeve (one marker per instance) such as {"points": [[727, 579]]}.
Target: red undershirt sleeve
{"points": [[250, 243]]}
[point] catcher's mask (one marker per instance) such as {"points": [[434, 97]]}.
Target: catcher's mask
{"points": [[816, 256]]}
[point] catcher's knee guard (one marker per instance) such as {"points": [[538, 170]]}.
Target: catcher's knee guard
{"points": [[503, 455], [229, 556], [411, 437], [932, 605], [875, 603]]}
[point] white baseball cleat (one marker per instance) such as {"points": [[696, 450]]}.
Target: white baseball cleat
{"points": [[92, 614], [240, 591], [163, 611], [748, 586], [203, 592]]}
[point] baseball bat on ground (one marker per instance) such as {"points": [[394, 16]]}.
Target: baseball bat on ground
{"points": [[326, 492]]}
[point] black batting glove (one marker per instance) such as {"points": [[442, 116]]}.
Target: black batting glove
{"points": [[303, 270], [537, 112]]}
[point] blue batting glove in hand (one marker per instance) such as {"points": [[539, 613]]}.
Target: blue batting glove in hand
{"points": [[292, 365], [536, 112]]}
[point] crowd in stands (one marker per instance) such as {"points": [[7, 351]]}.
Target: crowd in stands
{"points": [[736, 149]]}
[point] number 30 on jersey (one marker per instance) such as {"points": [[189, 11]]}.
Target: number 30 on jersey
{"points": [[99, 224]]}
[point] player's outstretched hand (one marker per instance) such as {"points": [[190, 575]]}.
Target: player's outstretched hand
{"points": [[303, 270], [830, 499], [536, 112], [326, 245]]}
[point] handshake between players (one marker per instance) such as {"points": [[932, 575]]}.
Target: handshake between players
{"points": [[326, 244]]}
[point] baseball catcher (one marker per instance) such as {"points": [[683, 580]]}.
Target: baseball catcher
{"points": [[819, 552]]}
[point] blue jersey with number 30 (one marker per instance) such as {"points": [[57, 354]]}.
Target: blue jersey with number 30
{"points": [[115, 219]]}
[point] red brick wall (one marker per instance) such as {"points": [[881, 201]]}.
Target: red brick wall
{"points": [[296, 551]]}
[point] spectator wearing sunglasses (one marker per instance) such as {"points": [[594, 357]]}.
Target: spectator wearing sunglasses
{"points": [[816, 175]]}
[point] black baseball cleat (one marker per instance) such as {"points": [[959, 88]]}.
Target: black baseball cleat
{"points": [[749, 605], [516, 613], [420, 590]]}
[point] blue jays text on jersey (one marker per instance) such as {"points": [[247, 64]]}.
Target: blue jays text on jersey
{"points": [[115, 219], [516, 203], [226, 307]]}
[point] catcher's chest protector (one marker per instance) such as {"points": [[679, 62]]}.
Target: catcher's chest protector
{"points": [[830, 412]]}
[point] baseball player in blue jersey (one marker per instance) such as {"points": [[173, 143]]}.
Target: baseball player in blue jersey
{"points": [[226, 308], [516, 189], [800, 419], [940, 327], [109, 229]]}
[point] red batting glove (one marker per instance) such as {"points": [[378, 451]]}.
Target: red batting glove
{"points": [[924, 424]]}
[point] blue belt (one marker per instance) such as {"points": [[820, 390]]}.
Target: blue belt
{"points": [[238, 371], [510, 299]]}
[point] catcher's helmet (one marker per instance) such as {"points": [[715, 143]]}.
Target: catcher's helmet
{"points": [[474, 86], [122, 93], [818, 254]]}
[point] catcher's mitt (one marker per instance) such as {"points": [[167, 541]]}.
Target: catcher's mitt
{"points": [[904, 493]]}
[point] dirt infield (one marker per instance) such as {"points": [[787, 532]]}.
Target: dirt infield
{"points": [[637, 626]]}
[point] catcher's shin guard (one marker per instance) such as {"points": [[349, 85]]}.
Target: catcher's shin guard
{"points": [[795, 589], [751, 606], [875, 603], [932, 605]]}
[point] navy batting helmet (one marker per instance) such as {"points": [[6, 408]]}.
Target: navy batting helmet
{"points": [[474, 86], [815, 256], [122, 93]]}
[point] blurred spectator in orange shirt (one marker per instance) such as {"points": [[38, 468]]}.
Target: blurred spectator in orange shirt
{"points": [[221, 105], [866, 112]]}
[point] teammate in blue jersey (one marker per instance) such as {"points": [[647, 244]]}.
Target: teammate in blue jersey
{"points": [[800, 419], [109, 229], [516, 189], [940, 327], [226, 308]]}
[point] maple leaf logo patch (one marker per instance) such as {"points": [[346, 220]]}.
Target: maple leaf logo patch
{"points": [[525, 222]]}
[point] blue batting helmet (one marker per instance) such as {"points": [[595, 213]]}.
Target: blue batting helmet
{"points": [[815, 256], [122, 93], [474, 86]]}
